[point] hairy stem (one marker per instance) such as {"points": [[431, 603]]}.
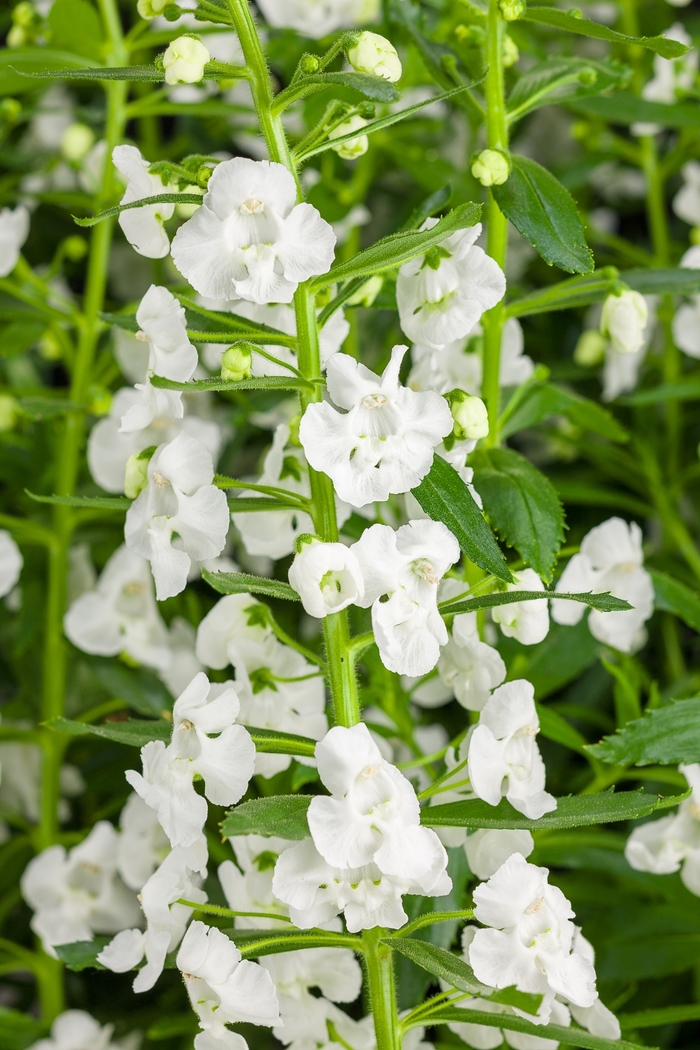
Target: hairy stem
{"points": [[382, 993]]}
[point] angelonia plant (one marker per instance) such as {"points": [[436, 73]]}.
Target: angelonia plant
{"points": [[323, 725]]}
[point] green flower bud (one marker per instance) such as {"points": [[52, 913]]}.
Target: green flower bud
{"points": [[8, 412], [49, 346], [203, 176], [76, 142], [172, 12], [491, 167], [353, 148], [17, 37], [376, 55], [587, 77], [309, 64], [512, 9], [136, 472], [695, 235], [151, 8], [184, 61], [100, 400], [10, 109], [590, 348], [367, 292], [75, 248], [24, 15], [510, 51], [237, 363], [470, 416]]}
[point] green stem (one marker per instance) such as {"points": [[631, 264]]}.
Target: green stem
{"points": [[497, 138], [382, 993]]}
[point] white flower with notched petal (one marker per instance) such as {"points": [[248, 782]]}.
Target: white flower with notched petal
{"points": [[383, 440], [487, 849], [163, 325], [120, 615], [372, 815], [11, 562], [225, 762], [327, 577], [530, 944], [469, 667], [14, 230], [316, 891], [624, 320], [526, 621], [610, 559], [248, 887], [504, 758], [686, 203], [224, 989], [441, 295], [663, 846], [458, 365], [142, 845], [407, 566], [234, 631], [318, 18], [77, 1030], [179, 516], [250, 239], [78, 893], [143, 227]]}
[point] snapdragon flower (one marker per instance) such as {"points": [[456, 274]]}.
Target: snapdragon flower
{"points": [[77, 1030], [334, 971], [442, 295], [163, 326], [250, 239], [673, 842], [610, 559], [686, 203], [225, 762], [469, 667], [14, 230], [327, 577], [458, 364], [142, 844], [526, 621], [318, 18], [530, 942], [624, 320], [247, 885], [504, 758], [11, 562], [120, 615], [407, 566], [383, 440], [686, 322], [143, 227], [179, 516]]}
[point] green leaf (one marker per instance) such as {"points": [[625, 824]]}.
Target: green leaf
{"points": [[142, 202], [622, 108], [20, 335], [243, 583], [92, 71], [272, 742], [39, 408], [604, 602], [254, 943], [443, 964], [662, 1016], [679, 281], [561, 79], [546, 400], [254, 504], [279, 815], [15, 63], [443, 495], [168, 1027], [134, 732], [365, 84], [572, 1036], [82, 955], [522, 505], [18, 1030], [552, 16], [75, 26], [556, 728], [398, 248], [101, 502], [573, 811], [672, 596], [685, 390], [576, 291], [138, 687], [545, 212], [664, 736], [214, 385]]}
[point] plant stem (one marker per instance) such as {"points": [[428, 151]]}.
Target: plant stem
{"points": [[497, 138], [382, 993]]}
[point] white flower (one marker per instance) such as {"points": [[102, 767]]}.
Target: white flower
{"points": [[468, 666], [376, 55], [487, 849], [407, 566], [184, 61], [233, 632], [384, 439], [318, 18], [166, 922], [14, 230], [224, 989], [526, 621], [11, 562], [596, 1018], [458, 365], [686, 203], [686, 322], [663, 846], [162, 321], [674, 76], [624, 320], [142, 227], [184, 664], [372, 815], [442, 295], [610, 559], [327, 577], [142, 843], [120, 614], [250, 239], [77, 1030], [20, 782], [351, 148], [530, 944], [248, 887], [179, 504], [78, 893], [503, 755], [316, 892], [225, 762]]}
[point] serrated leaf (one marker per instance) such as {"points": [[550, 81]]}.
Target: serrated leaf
{"points": [[622, 108], [522, 505], [98, 502], [444, 497], [604, 602], [82, 955], [573, 811], [552, 16], [561, 79], [545, 213], [546, 400], [572, 1036], [281, 815], [672, 596], [243, 583], [441, 963], [398, 248], [664, 736], [142, 202], [133, 732]]}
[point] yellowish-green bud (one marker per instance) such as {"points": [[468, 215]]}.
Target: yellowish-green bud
{"points": [[24, 14], [353, 148], [510, 51], [75, 248], [491, 167], [149, 9], [590, 348], [76, 142], [136, 474], [10, 109], [304, 539], [8, 412], [376, 55], [49, 346], [470, 416], [17, 37], [367, 293], [512, 9], [236, 364], [184, 61], [100, 400], [695, 235]]}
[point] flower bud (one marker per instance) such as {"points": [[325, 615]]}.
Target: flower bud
{"points": [[376, 55], [24, 14], [49, 346], [309, 64], [590, 349], [327, 577], [470, 416], [184, 61], [17, 37], [353, 148], [136, 473], [10, 109], [367, 292], [695, 235], [236, 364], [75, 248], [491, 167], [512, 9], [623, 320], [8, 412], [76, 142], [151, 8], [510, 51], [100, 400]]}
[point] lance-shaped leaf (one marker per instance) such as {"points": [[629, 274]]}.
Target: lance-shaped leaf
{"points": [[75, 25], [82, 955], [279, 815], [546, 400], [561, 79], [545, 212], [572, 23], [522, 505], [213, 385], [143, 202], [604, 602], [365, 84], [243, 583], [17, 63], [136, 74], [254, 943], [97, 502], [444, 497], [576, 291], [554, 727], [664, 736], [573, 811], [395, 250], [680, 281], [622, 108], [133, 732], [684, 390], [139, 687], [18, 1030], [672, 596]]}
